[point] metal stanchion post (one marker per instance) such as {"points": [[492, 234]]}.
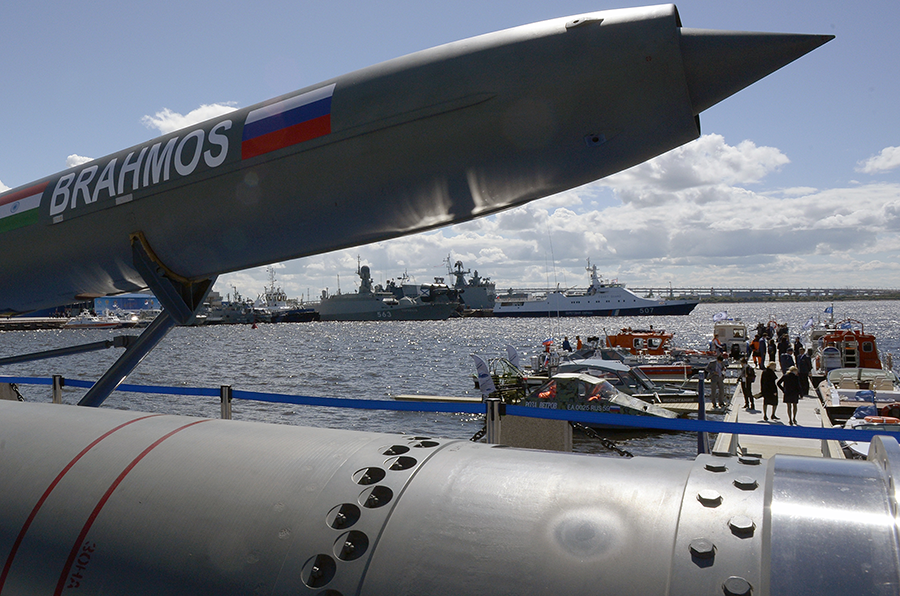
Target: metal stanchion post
{"points": [[702, 439], [58, 383], [492, 422], [225, 397]]}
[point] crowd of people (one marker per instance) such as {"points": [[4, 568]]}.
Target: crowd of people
{"points": [[795, 363]]}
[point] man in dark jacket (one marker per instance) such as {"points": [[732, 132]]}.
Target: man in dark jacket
{"points": [[769, 389], [786, 360], [804, 367]]}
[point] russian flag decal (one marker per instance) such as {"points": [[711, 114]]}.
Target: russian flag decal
{"points": [[300, 118]]}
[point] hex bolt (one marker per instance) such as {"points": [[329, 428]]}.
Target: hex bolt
{"points": [[749, 460], [741, 525], [339, 520], [703, 548], [348, 548], [712, 467], [737, 586], [746, 483], [709, 497]]}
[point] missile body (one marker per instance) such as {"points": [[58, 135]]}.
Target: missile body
{"points": [[99, 502], [422, 141], [130, 503]]}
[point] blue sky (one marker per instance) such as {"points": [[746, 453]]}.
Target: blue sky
{"points": [[794, 183]]}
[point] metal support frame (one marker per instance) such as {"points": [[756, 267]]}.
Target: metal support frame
{"points": [[180, 298], [492, 420], [122, 341], [225, 397], [58, 383], [702, 438]]}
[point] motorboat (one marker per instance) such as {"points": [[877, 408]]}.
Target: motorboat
{"points": [[604, 299], [845, 389], [730, 338], [870, 418], [629, 380], [846, 345], [87, 320], [273, 306], [652, 342], [587, 393]]}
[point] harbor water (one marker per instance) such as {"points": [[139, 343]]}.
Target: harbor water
{"points": [[376, 360]]}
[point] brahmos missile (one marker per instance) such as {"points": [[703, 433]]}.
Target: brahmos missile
{"points": [[107, 502], [426, 140]]}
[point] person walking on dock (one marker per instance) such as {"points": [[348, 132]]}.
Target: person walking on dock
{"points": [[762, 352], [789, 383], [754, 351], [769, 387], [716, 373], [787, 360], [748, 375], [804, 367]]}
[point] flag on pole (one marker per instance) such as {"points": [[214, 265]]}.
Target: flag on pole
{"points": [[547, 341], [485, 383], [719, 316], [829, 310], [808, 324]]}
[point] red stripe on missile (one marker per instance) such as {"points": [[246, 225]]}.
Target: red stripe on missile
{"points": [[285, 137], [112, 487], [59, 477]]}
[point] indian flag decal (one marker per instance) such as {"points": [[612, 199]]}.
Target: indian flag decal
{"points": [[20, 208]]}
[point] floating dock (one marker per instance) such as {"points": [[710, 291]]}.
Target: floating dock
{"points": [[31, 323], [810, 413]]}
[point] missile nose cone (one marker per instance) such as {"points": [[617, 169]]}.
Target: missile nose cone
{"points": [[718, 64]]}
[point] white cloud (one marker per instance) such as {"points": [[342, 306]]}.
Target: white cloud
{"points": [[166, 121], [701, 166], [888, 159], [76, 160]]}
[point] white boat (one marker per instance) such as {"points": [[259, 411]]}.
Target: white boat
{"points": [[845, 389], [86, 320], [871, 419], [273, 306], [601, 299], [629, 380]]}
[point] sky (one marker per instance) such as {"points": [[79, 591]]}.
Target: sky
{"points": [[794, 183]]}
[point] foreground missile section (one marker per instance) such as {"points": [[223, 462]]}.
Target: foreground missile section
{"points": [[422, 141], [128, 504]]}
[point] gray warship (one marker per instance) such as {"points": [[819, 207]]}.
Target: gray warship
{"points": [[374, 303]]}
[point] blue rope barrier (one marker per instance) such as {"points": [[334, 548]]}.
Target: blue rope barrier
{"points": [[595, 418], [361, 404]]}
